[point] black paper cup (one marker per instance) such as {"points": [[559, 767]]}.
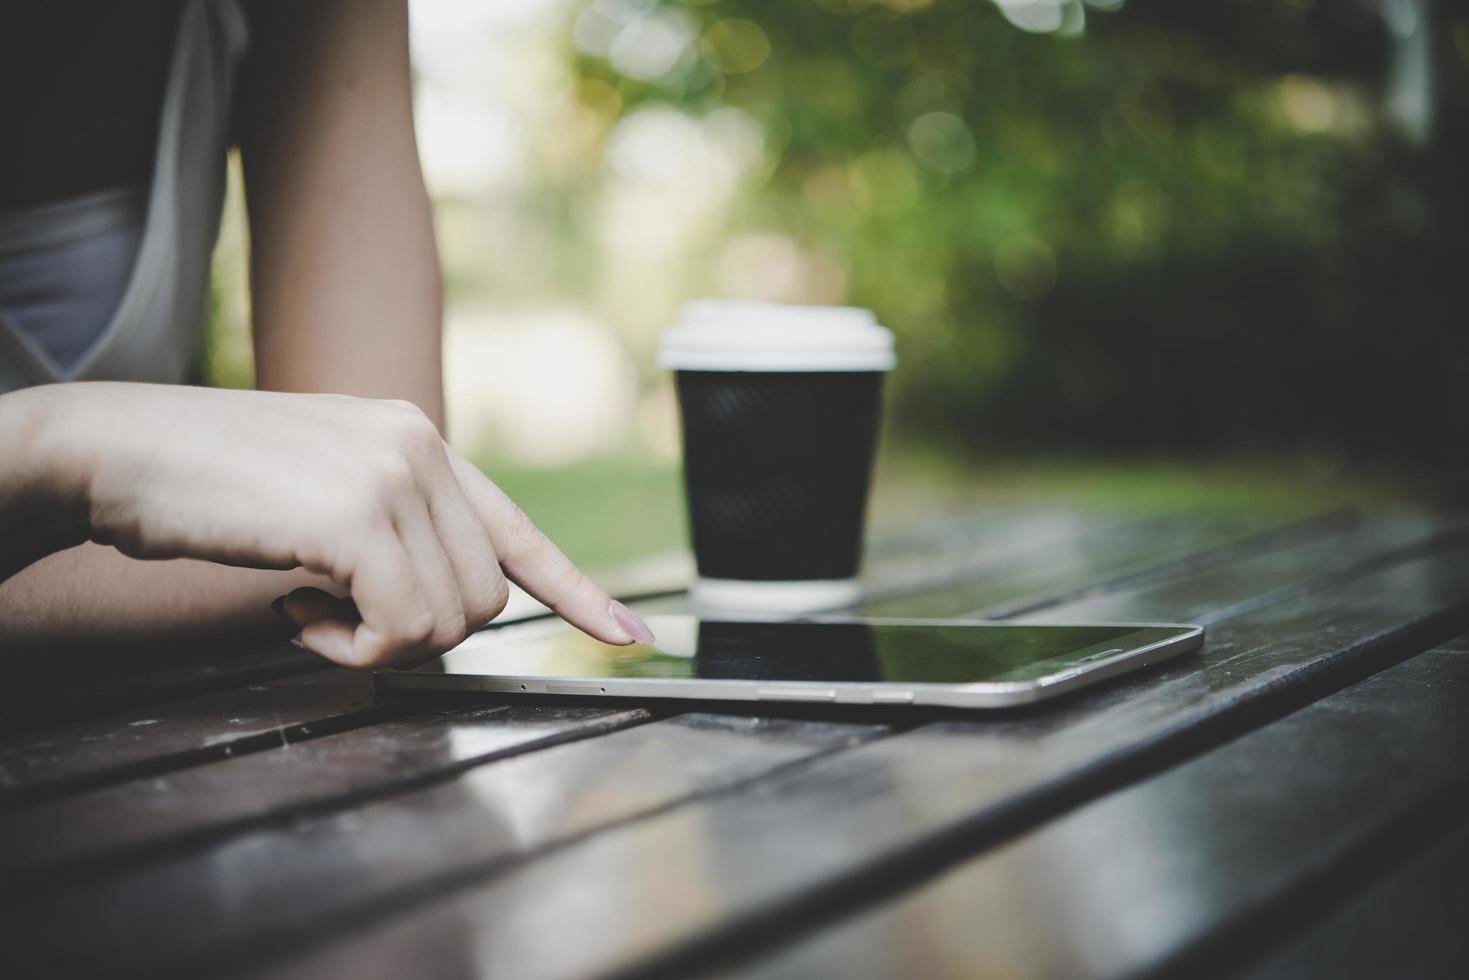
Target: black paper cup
{"points": [[780, 409]]}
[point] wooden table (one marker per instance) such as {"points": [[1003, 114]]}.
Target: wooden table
{"points": [[1291, 802]]}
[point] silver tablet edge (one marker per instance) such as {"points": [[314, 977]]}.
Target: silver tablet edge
{"points": [[982, 694]]}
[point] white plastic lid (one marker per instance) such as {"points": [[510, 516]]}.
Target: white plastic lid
{"points": [[744, 335]]}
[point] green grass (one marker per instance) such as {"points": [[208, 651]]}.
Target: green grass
{"points": [[601, 513], [1275, 487], [604, 513]]}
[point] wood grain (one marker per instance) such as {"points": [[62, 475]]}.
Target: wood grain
{"points": [[45, 689], [827, 837], [1183, 872], [93, 832], [45, 763], [1078, 559], [283, 884], [1408, 922]]}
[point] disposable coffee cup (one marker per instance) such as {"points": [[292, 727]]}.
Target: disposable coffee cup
{"points": [[780, 411]]}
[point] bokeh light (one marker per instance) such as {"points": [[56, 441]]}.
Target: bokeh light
{"points": [[1058, 205]]}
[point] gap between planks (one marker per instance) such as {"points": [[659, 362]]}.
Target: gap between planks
{"points": [[169, 762], [1168, 568], [908, 865]]}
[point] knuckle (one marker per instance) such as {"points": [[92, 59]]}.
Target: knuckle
{"points": [[412, 432], [448, 632], [418, 630], [338, 400], [497, 597], [372, 660], [333, 553], [489, 602], [391, 481], [403, 406]]}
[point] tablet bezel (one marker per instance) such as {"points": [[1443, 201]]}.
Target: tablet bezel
{"points": [[980, 694]]}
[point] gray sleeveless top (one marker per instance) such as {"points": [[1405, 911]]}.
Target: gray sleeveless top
{"points": [[154, 329]]}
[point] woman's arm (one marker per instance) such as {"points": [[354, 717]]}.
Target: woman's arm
{"points": [[362, 492], [59, 589], [344, 274], [345, 297], [39, 514]]}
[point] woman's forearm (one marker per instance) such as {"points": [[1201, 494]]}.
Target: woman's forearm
{"points": [[363, 492], [58, 588], [345, 299], [93, 595], [345, 291], [40, 506]]}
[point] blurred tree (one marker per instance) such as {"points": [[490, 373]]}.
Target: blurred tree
{"points": [[1154, 225]]}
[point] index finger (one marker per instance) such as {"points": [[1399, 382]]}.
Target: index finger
{"points": [[533, 562]]}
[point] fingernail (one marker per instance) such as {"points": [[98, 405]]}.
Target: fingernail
{"points": [[296, 642], [628, 620], [278, 605]]}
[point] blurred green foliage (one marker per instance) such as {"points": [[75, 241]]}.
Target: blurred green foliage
{"points": [[601, 513], [1185, 226]]}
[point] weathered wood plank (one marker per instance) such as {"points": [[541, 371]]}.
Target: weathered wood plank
{"points": [[1258, 571], [49, 762], [1034, 533], [1409, 923], [1019, 530], [1346, 554], [46, 689], [1054, 560], [1014, 529], [263, 891], [1255, 581], [1139, 541], [973, 524], [1185, 871], [125, 714], [923, 564], [1089, 557], [96, 830], [848, 822], [185, 733]]}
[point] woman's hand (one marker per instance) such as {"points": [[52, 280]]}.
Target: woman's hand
{"points": [[362, 491]]}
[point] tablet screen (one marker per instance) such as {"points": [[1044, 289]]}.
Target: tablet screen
{"points": [[688, 648]]}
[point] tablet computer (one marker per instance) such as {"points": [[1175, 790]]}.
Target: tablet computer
{"points": [[833, 660]]}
